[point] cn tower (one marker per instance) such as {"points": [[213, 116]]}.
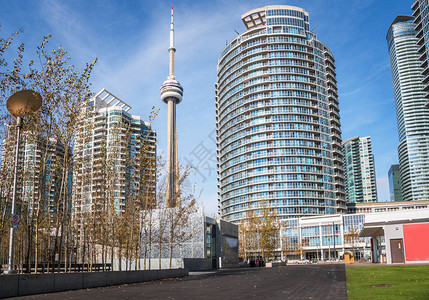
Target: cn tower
{"points": [[171, 94]]}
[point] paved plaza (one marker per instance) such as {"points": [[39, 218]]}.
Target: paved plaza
{"points": [[290, 282]]}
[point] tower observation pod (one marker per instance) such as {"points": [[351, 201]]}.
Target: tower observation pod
{"points": [[171, 94]]}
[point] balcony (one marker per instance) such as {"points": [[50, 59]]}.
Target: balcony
{"points": [[415, 7], [425, 68], [422, 49], [423, 57], [426, 79]]}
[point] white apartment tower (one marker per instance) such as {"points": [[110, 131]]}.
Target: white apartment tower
{"points": [[408, 74], [114, 159], [278, 123], [39, 172]]}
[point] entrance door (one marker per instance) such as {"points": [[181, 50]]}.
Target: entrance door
{"points": [[397, 251]]}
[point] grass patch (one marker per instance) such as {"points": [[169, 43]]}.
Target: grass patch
{"points": [[388, 282]]}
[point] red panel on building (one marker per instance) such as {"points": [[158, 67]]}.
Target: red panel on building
{"points": [[416, 240]]}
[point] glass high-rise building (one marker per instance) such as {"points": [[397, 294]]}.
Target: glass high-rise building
{"points": [[278, 123], [421, 15], [112, 159], [394, 176], [412, 115], [359, 170], [39, 177]]}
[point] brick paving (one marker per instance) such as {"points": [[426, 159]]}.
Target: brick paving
{"points": [[290, 282]]}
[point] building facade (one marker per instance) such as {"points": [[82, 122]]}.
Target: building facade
{"points": [[323, 238], [40, 171], [395, 189], [114, 160], [278, 123], [328, 237], [412, 115], [421, 15], [359, 170], [376, 207], [193, 242], [404, 234]]}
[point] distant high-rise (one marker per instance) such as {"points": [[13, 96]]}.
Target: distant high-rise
{"points": [[359, 170], [412, 115], [39, 172], [113, 159], [278, 123], [395, 183], [171, 94], [421, 19]]}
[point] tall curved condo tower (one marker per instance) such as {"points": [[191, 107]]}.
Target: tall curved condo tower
{"points": [[171, 94], [421, 19], [408, 75], [278, 123]]}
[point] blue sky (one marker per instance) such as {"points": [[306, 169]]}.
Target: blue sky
{"points": [[130, 39]]}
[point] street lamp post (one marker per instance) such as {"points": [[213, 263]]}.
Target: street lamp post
{"points": [[20, 104], [334, 228]]}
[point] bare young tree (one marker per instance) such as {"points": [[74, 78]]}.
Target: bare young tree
{"points": [[351, 237], [51, 130], [249, 237], [179, 217], [268, 232], [259, 233]]}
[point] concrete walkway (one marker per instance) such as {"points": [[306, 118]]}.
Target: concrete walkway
{"points": [[290, 282]]}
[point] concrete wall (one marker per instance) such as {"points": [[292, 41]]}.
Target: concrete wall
{"points": [[275, 264], [227, 228], [176, 263], [30, 284], [197, 264], [191, 264], [416, 242], [414, 245], [226, 259], [392, 232]]}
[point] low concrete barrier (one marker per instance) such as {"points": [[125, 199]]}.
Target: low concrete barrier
{"points": [[278, 264], [35, 283], [197, 264], [151, 275], [68, 281], [8, 285], [30, 284], [134, 276], [116, 278], [94, 279]]}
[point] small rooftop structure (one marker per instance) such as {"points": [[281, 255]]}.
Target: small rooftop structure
{"points": [[256, 17], [104, 98], [402, 18]]}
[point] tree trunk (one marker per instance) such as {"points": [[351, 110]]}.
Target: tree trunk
{"points": [[120, 257], [60, 246], [159, 253], [29, 244], [66, 252], [36, 252]]}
